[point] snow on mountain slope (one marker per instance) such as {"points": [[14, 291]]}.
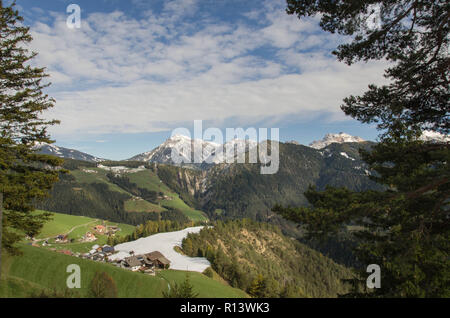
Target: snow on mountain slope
{"points": [[232, 149], [211, 152], [51, 149], [343, 154], [427, 135], [162, 153], [335, 138]]}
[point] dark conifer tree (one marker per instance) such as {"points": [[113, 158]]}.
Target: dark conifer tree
{"points": [[406, 227], [25, 176]]}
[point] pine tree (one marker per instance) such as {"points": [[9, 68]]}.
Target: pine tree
{"points": [[258, 286], [183, 290], [187, 289], [24, 175], [405, 228], [110, 240], [103, 286], [188, 247]]}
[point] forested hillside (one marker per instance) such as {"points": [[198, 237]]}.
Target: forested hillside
{"points": [[132, 197], [229, 191], [224, 191], [240, 190], [257, 258]]}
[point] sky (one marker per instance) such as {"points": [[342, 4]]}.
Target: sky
{"points": [[137, 69]]}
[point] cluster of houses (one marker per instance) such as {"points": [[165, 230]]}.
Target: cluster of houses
{"points": [[106, 230], [90, 236], [121, 169], [99, 230], [62, 239], [89, 171], [146, 263], [59, 239], [165, 197], [99, 253]]}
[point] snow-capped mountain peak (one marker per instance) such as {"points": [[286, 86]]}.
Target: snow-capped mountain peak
{"points": [[335, 138], [178, 138], [51, 149], [211, 152]]}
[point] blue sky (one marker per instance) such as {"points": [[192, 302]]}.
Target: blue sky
{"points": [[137, 69]]}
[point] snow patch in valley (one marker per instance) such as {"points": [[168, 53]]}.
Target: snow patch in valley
{"points": [[164, 243]]}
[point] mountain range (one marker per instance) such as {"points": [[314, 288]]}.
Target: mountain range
{"points": [[150, 187], [51, 149], [213, 153], [334, 138], [219, 190]]}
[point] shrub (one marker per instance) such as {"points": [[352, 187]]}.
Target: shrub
{"points": [[209, 272], [103, 286]]}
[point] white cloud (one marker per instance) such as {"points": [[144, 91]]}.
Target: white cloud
{"points": [[178, 8], [122, 74]]}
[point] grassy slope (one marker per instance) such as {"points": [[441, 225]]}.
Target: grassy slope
{"points": [[99, 177], [145, 179], [149, 180], [62, 223], [40, 269], [204, 287], [142, 206]]}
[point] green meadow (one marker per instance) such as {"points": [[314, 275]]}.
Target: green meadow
{"points": [[41, 270], [77, 226], [149, 180], [145, 179]]}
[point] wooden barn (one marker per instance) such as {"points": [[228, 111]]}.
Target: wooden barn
{"points": [[158, 260], [133, 263]]}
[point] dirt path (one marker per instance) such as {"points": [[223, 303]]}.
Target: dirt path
{"points": [[76, 227]]}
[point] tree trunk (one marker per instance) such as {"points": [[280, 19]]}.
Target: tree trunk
{"points": [[1, 229]]}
